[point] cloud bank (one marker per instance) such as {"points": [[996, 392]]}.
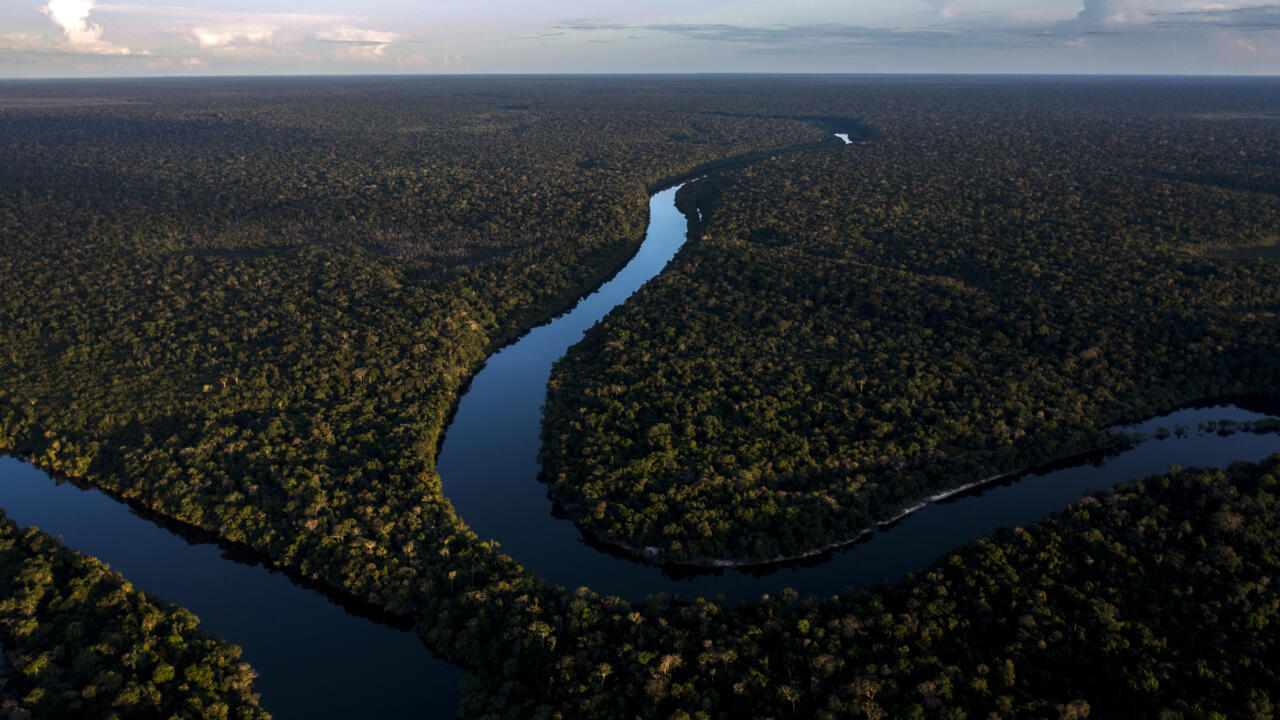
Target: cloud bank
{"points": [[81, 36]]}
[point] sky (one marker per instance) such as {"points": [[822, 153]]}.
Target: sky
{"points": [[105, 38]]}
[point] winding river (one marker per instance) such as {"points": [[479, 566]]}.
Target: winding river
{"points": [[319, 657], [489, 469]]}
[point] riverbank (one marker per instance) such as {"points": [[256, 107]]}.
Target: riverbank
{"points": [[654, 555]]}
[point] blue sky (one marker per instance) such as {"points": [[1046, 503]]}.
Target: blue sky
{"points": [[82, 38]]}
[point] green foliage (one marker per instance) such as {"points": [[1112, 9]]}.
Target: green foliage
{"points": [[1001, 274], [80, 642], [1155, 600]]}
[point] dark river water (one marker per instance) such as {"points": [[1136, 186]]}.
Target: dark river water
{"points": [[314, 658], [318, 660]]}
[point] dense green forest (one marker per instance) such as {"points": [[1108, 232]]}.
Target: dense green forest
{"points": [[250, 305], [80, 642], [1157, 600], [998, 277]]}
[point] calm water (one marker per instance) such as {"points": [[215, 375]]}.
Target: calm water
{"points": [[314, 659], [318, 660]]}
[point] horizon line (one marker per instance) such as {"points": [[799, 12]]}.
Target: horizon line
{"points": [[938, 74]]}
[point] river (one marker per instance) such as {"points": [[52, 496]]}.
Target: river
{"points": [[318, 659], [315, 658], [489, 468]]}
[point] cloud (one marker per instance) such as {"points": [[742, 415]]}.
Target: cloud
{"points": [[73, 17], [267, 34], [944, 8], [784, 36], [360, 44], [1250, 17], [24, 42], [1105, 16], [247, 35], [1094, 15], [81, 35], [225, 36], [544, 35], [359, 36], [1098, 16]]}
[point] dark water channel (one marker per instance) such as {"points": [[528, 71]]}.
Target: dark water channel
{"points": [[489, 469], [318, 660], [314, 658]]}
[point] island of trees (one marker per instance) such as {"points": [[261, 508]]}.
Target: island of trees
{"points": [[80, 641]]}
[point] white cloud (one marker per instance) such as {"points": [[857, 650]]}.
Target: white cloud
{"points": [[233, 35], [359, 43], [356, 35], [363, 53], [73, 17], [229, 32], [82, 36], [269, 35]]}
